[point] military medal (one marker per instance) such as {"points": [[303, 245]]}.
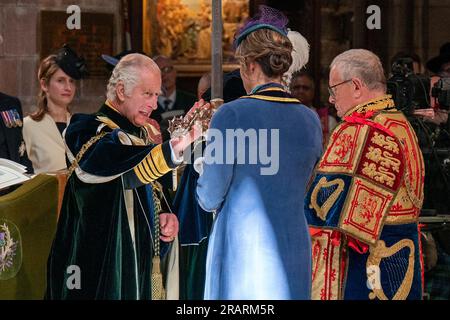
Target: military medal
{"points": [[17, 119], [11, 118], [6, 120]]}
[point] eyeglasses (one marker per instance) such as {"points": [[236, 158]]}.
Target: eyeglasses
{"points": [[330, 89], [167, 69]]}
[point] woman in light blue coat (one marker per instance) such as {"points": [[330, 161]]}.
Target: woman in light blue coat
{"points": [[260, 153]]}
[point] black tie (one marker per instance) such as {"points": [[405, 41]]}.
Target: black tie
{"points": [[166, 104]]}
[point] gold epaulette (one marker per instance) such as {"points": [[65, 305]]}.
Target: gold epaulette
{"points": [[112, 125]]}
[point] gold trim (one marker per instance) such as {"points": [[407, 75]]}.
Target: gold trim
{"points": [[272, 89], [406, 132], [147, 171], [111, 105], [377, 104], [362, 186], [111, 124], [327, 267], [84, 148], [379, 252], [152, 167], [276, 99], [159, 161], [347, 165], [139, 175], [417, 201], [322, 211]]}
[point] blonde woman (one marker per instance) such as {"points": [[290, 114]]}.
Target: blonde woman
{"points": [[42, 130]]}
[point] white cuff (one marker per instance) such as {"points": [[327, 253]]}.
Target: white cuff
{"points": [[198, 165], [176, 159]]}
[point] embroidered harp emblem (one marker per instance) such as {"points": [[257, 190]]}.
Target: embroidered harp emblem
{"points": [[325, 192], [400, 256]]}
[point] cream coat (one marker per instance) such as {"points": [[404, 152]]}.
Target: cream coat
{"points": [[44, 143]]}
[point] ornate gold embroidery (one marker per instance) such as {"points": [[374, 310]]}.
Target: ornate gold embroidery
{"points": [[382, 175], [344, 149], [384, 158], [368, 208], [341, 148], [413, 178], [402, 209], [377, 253], [386, 142], [373, 105], [328, 272], [356, 218], [322, 211], [317, 248]]}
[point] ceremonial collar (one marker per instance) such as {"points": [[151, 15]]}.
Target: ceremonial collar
{"points": [[377, 104], [112, 113], [271, 92]]}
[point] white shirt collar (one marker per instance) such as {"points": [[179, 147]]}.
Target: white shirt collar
{"points": [[172, 97]]}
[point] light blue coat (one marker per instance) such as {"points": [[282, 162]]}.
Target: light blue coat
{"points": [[260, 245]]}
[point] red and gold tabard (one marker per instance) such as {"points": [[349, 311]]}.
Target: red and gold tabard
{"points": [[363, 206]]}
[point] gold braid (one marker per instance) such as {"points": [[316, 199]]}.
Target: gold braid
{"points": [[158, 292], [84, 148]]}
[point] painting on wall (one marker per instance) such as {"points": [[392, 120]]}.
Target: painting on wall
{"points": [[181, 29]]}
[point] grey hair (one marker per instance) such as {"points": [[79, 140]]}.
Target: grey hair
{"points": [[128, 71], [362, 64]]}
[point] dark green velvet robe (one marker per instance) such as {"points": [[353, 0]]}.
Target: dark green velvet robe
{"points": [[93, 230]]}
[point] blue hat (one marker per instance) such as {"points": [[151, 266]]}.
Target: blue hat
{"points": [[110, 60], [113, 61], [267, 18]]}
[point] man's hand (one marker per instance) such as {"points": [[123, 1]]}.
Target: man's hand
{"points": [[169, 226]]}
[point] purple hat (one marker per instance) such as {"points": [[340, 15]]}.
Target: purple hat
{"points": [[266, 18]]}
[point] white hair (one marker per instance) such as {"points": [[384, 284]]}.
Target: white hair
{"points": [[128, 72], [362, 64], [300, 54]]}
